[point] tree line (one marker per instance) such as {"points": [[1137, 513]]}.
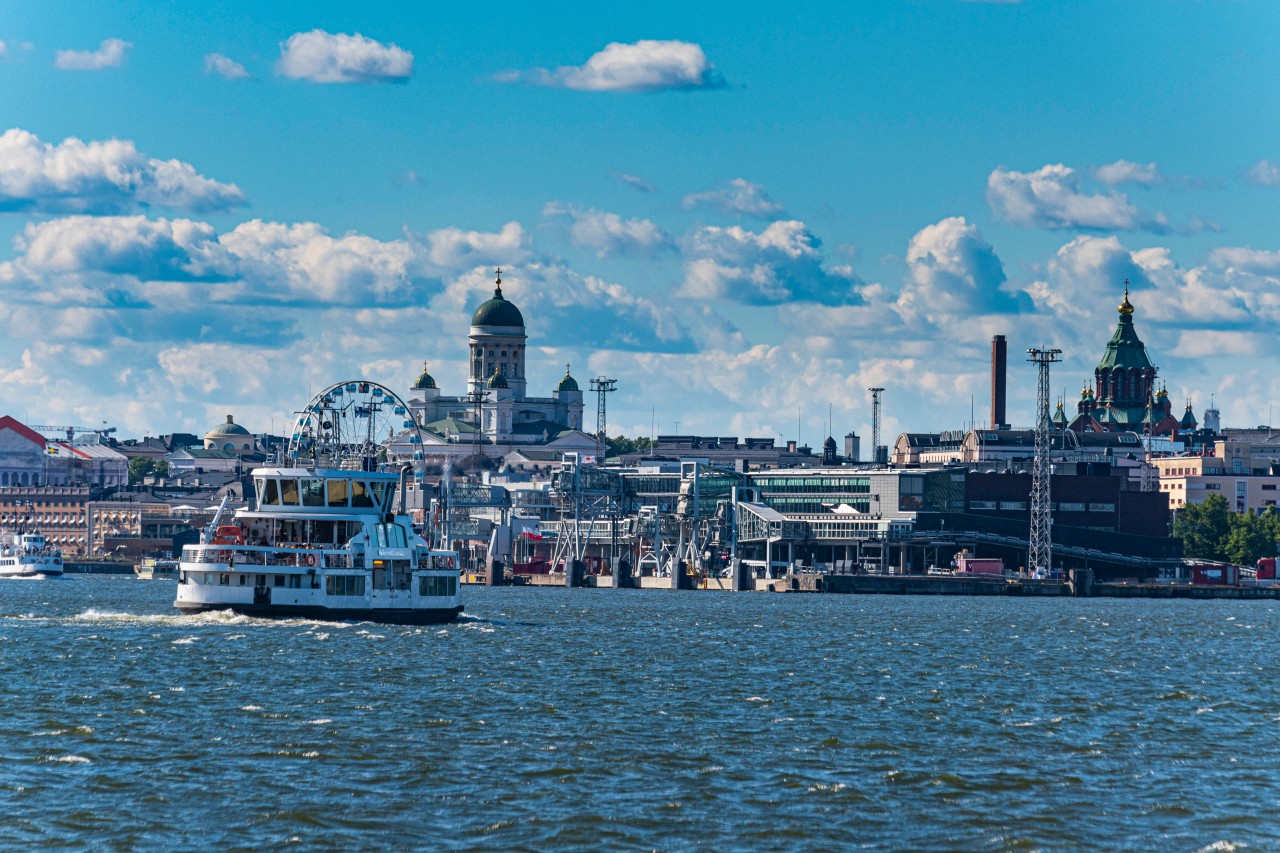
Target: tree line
{"points": [[1211, 531]]}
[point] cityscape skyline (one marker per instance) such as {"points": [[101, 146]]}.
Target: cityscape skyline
{"points": [[744, 219]]}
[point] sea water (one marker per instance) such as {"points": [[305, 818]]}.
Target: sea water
{"points": [[551, 719]]}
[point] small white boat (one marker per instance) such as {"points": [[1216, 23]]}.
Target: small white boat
{"points": [[151, 568], [28, 555]]}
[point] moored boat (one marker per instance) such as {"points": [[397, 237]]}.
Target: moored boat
{"points": [[28, 555]]}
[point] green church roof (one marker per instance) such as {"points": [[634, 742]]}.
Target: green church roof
{"points": [[1125, 350], [567, 382], [497, 311]]}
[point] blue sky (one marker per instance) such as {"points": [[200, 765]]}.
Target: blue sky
{"points": [[745, 213]]}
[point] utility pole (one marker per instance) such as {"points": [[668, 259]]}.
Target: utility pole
{"points": [[1040, 545], [875, 423], [602, 385]]}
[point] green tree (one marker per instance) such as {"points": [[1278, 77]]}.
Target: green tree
{"points": [[1204, 528], [1248, 539], [141, 467], [620, 444]]}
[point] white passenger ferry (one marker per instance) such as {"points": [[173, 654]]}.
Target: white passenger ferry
{"points": [[27, 555], [322, 544]]}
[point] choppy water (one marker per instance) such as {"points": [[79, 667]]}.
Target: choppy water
{"points": [[585, 719]]}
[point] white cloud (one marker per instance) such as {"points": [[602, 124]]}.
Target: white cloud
{"points": [[1050, 197], [106, 177], [453, 249], [110, 54], [739, 197], [783, 263], [1126, 172], [323, 57], [953, 273], [645, 66], [635, 182], [608, 233], [1239, 259], [1263, 173], [1085, 278], [224, 66]]}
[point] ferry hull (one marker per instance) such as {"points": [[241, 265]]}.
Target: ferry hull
{"points": [[384, 615]]}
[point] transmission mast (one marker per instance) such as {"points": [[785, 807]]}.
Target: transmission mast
{"points": [[1040, 545], [875, 423], [602, 386]]}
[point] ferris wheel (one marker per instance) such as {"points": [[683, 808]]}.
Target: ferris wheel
{"points": [[354, 425]]}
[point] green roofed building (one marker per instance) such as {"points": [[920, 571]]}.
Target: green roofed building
{"points": [[1125, 397], [495, 410]]}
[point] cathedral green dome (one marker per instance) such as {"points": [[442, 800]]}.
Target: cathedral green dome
{"points": [[497, 311], [497, 380], [567, 382], [425, 380]]}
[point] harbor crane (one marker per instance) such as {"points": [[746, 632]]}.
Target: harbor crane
{"points": [[102, 432]]}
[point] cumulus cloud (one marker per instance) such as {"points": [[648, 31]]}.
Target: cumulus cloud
{"points": [[323, 57], [1085, 276], [1263, 173], [454, 249], [953, 272], [783, 263], [100, 177], [645, 66], [608, 233], [740, 196], [1241, 259], [224, 66], [1051, 197], [130, 259], [110, 54], [1126, 172]]}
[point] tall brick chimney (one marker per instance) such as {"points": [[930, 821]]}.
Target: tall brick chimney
{"points": [[999, 358]]}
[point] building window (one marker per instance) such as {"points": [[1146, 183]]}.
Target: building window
{"points": [[1102, 507], [982, 504]]}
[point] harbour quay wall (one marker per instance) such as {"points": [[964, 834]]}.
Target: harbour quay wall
{"points": [[96, 567], [1196, 591], [939, 585]]}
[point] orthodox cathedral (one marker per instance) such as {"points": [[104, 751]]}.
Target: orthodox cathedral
{"points": [[1124, 396], [496, 410]]}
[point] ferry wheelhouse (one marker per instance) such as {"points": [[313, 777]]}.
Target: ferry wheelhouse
{"points": [[324, 544], [28, 555]]}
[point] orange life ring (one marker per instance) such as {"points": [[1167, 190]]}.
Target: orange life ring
{"points": [[311, 559]]}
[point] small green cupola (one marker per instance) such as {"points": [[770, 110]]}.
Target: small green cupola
{"points": [[1060, 415], [567, 382], [425, 381], [497, 380]]}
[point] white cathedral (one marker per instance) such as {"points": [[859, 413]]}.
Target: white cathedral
{"points": [[495, 415]]}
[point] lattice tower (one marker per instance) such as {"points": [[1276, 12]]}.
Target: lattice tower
{"points": [[602, 386], [1040, 545]]}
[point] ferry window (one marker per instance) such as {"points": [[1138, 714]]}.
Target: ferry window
{"points": [[279, 580], [243, 578], [289, 492], [378, 490], [433, 586], [344, 585], [224, 580], [313, 493], [360, 495], [337, 492], [295, 581], [271, 494]]}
